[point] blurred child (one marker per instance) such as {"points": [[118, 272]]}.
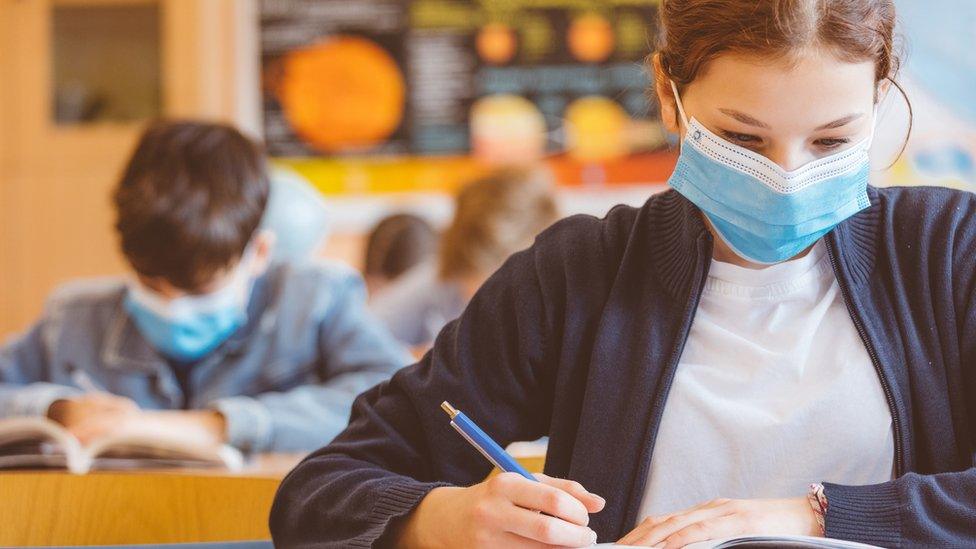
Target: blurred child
{"points": [[204, 336], [395, 245], [297, 216], [495, 216]]}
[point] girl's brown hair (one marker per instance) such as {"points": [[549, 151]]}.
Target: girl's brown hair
{"points": [[496, 216], [694, 32]]}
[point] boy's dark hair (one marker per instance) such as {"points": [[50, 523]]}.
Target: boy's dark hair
{"points": [[189, 201], [397, 243]]}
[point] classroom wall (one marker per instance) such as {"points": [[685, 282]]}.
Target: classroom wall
{"points": [[55, 214], [5, 300]]}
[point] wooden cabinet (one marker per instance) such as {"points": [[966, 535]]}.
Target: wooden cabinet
{"points": [[56, 178]]}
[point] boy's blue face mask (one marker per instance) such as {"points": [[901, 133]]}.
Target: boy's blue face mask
{"points": [[764, 213], [190, 327]]}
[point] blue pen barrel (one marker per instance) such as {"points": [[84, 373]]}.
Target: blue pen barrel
{"points": [[488, 447]]}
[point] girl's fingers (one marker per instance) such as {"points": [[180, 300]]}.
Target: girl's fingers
{"points": [[652, 521], [644, 526], [660, 531], [636, 534], [509, 539], [545, 529], [538, 496], [721, 527], [592, 502]]}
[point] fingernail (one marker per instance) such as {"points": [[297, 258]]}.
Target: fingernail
{"points": [[592, 537]]}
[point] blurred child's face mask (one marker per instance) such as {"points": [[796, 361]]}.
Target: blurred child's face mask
{"points": [[188, 328], [764, 213]]}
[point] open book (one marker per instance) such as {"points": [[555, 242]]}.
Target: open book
{"points": [[31, 443], [779, 542]]}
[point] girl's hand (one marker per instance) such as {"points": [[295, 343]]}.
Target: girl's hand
{"points": [[503, 511], [722, 518]]}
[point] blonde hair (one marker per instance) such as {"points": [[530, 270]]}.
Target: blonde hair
{"points": [[496, 216]]}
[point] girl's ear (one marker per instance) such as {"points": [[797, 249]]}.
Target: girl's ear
{"points": [[882, 90], [665, 96]]}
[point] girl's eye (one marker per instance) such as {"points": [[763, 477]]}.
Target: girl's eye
{"points": [[742, 138], [831, 143]]}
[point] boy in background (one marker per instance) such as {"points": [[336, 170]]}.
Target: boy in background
{"points": [[396, 244], [204, 337]]}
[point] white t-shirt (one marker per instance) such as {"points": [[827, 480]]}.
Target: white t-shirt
{"points": [[774, 391]]}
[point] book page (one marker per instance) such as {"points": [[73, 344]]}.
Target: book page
{"points": [[781, 542], [33, 442], [159, 450]]}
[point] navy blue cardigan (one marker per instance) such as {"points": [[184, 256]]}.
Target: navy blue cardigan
{"points": [[579, 336]]}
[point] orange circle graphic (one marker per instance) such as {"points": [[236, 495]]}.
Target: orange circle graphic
{"points": [[496, 43], [590, 38], [344, 93]]}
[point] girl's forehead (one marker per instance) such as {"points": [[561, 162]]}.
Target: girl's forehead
{"points": [[807, 90]]}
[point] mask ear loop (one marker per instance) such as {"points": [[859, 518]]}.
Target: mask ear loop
{"points": [[911, 122], [243, 278], [681, 108]]}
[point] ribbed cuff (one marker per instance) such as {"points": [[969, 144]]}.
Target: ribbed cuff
{"points": [[249, 426], [866, 514], [396, 502], [35, 399]]}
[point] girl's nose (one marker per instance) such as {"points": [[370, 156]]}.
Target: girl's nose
{"points": [[789, 157]]}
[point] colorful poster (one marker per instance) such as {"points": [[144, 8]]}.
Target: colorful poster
{"points": [[435, 90], [334, 77], [505, 80]]}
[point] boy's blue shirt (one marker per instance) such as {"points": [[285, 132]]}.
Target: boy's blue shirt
{"points": [[284, 382]]}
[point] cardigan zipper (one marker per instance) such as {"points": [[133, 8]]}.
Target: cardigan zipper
{"points": [[668, 380], [885, 386]]}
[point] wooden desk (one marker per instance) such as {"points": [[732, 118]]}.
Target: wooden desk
{"points": [[42, 508]]}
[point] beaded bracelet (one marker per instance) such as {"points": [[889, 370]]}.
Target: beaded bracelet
{"points": [[818, 501]]}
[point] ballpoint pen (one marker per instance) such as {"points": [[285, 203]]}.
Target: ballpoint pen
{"points": [[483, 443], [84, 381]]}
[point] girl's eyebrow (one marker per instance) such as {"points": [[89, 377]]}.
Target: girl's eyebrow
{"points": [[841, 121], [744, 118], [751, 121]]}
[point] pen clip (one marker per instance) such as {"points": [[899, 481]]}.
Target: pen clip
{"points": [[476, 445]]}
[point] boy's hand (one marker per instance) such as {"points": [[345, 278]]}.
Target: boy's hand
{"points": [[203, 427], [91, 415], [723, 518]]}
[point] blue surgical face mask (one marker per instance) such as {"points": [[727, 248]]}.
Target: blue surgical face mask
{"points": [[190, 327], [764, 213]]}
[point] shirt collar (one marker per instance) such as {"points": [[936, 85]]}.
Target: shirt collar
{"points": [[675, 226]]}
